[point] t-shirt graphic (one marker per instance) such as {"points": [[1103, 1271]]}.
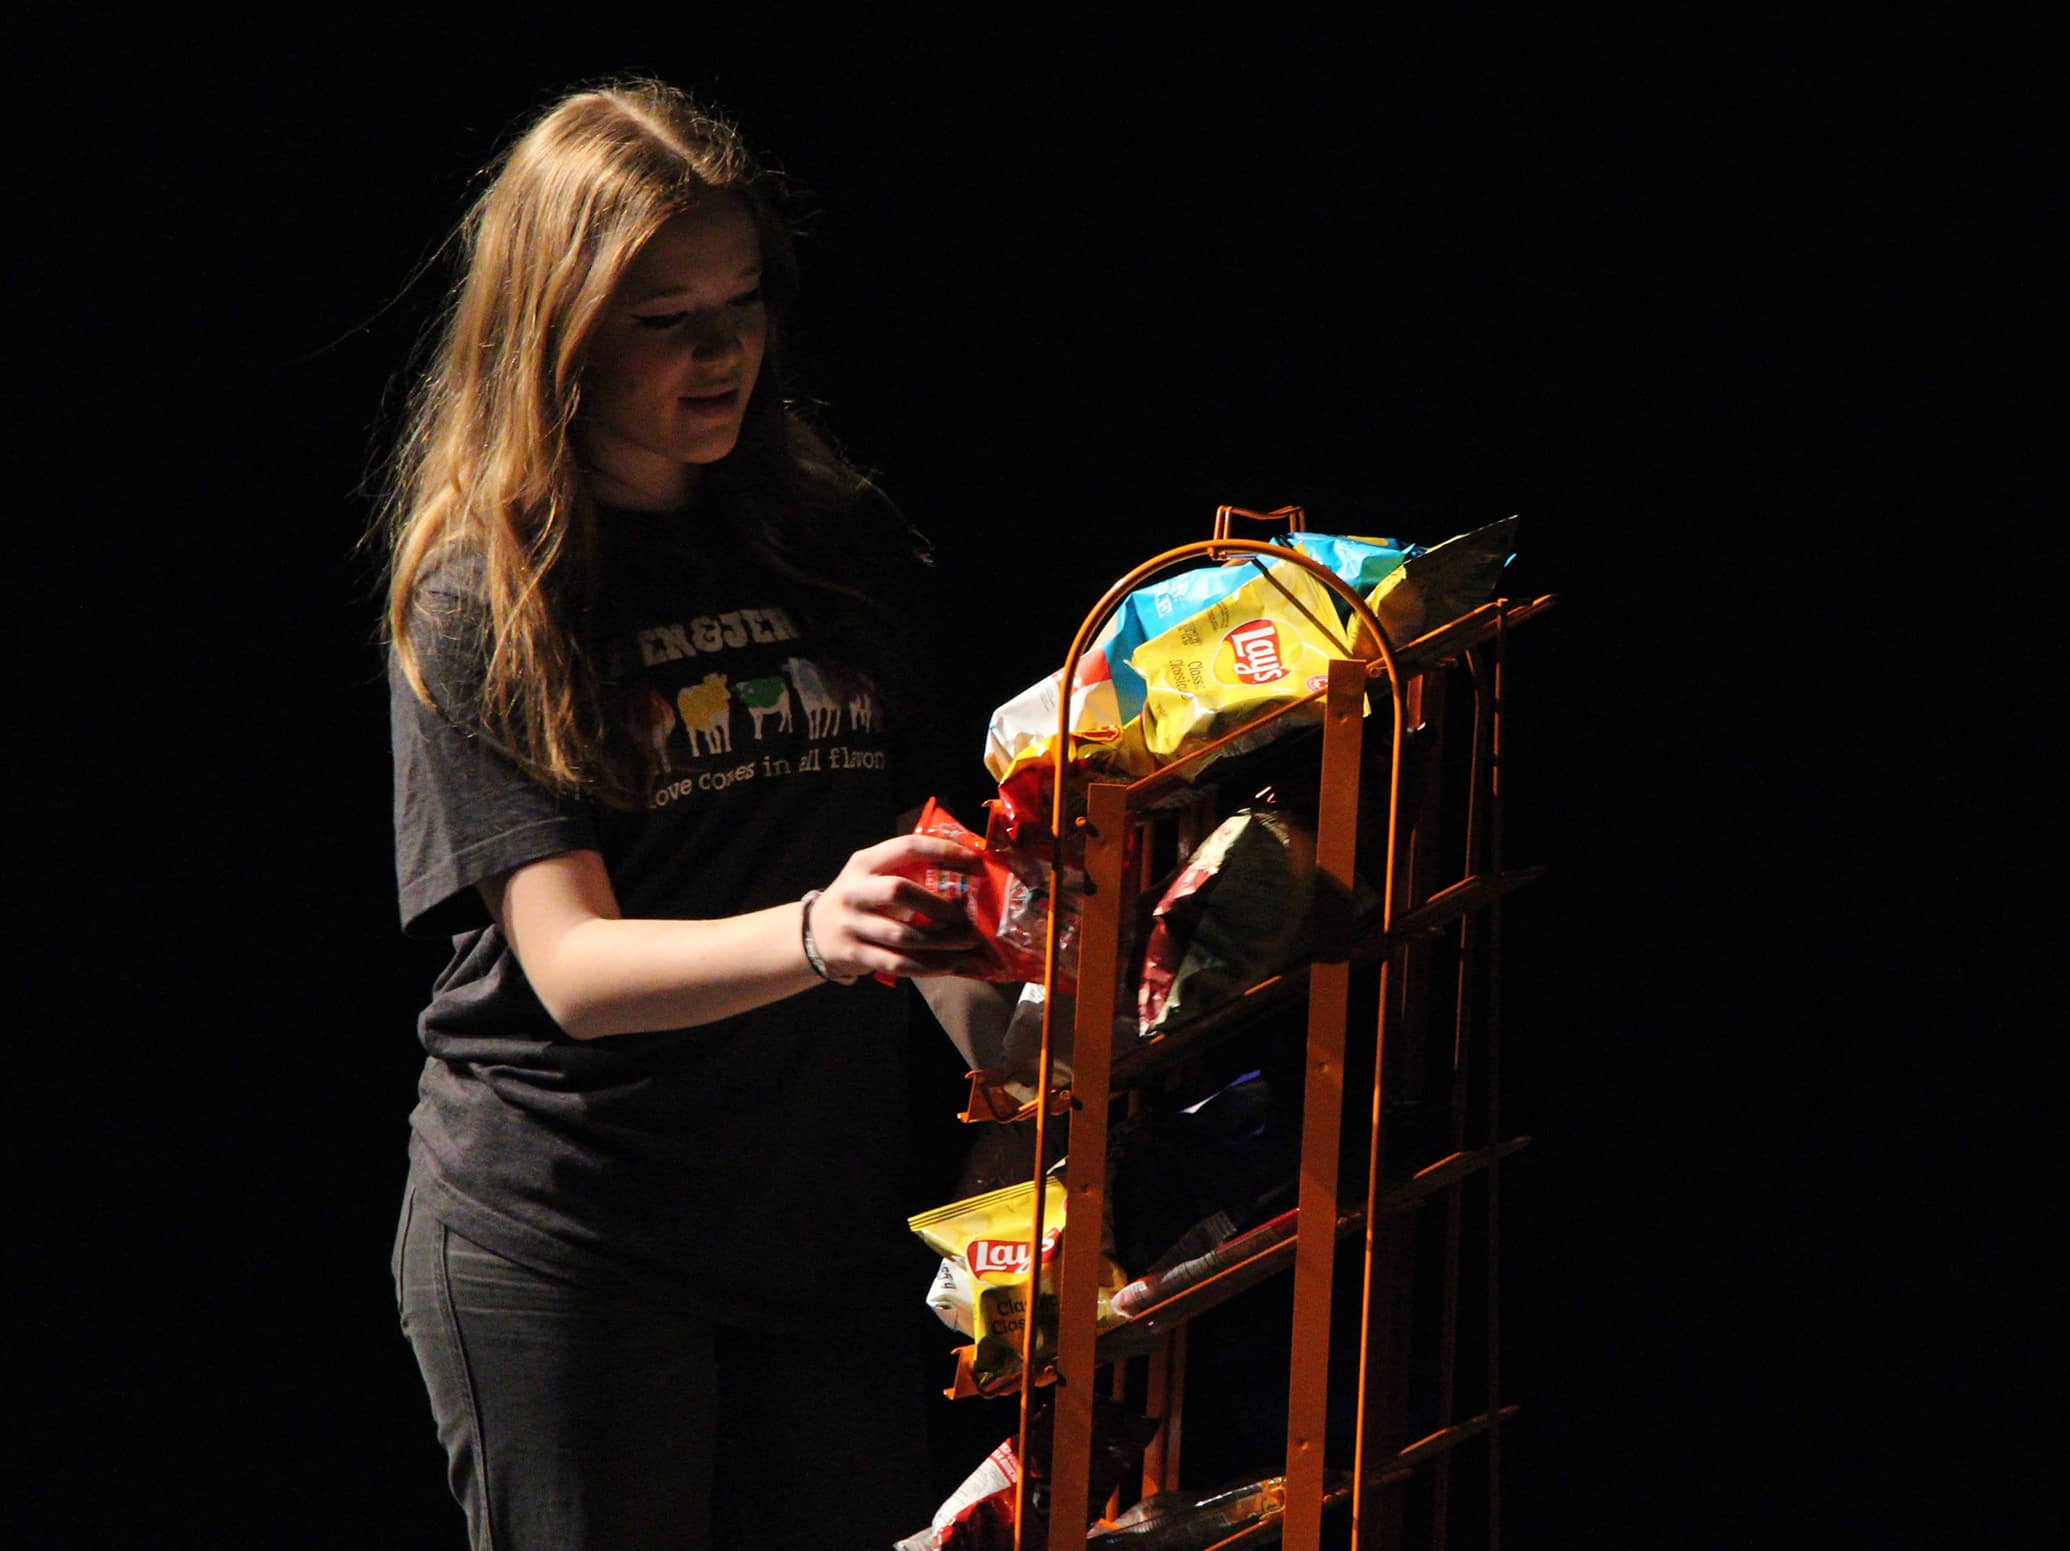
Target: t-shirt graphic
{"points": [[727, 699]]}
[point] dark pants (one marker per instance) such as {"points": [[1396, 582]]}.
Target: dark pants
{"points": [[574, 1419]]}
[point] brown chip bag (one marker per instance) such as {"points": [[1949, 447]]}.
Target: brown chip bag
{"points": [[1234, 913]]}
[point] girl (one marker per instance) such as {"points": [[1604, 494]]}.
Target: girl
{"points": [[653, 711]]}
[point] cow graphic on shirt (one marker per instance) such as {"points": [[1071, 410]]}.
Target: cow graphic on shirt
{"points": [[862, 710], [764, 697], [660, 722], [707, 712], [822, 709]]}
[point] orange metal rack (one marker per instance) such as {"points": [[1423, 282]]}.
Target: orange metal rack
{"points": [[1422, 1027]]}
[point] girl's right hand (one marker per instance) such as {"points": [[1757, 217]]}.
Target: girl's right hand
{"points": [[875, 919]]}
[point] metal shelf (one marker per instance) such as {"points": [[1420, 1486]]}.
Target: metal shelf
{"points": [[1157, 1321], [1254, 1005], [1416, 903]]}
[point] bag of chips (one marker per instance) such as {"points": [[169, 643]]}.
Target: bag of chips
{"points": [[1029, 719], [1186, 658], [987, 1236], [1437, 585], [1188, 1265], [1014, 1077], [1006, 901], [1151, 611], [1267, 642], [952, 1297], [1361, 564], [978, 1515], [1190, 1520], [1238, 910]]}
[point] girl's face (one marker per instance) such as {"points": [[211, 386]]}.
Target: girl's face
{"points": [[673, 359]]}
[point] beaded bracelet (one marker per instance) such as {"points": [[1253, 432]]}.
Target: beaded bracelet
{"points": [[819, 965]]}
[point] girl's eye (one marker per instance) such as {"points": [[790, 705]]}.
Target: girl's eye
{"points": [[660, 320], [748, 298]]}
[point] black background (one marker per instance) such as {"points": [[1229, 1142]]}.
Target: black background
{"points": [[1704, 307]]}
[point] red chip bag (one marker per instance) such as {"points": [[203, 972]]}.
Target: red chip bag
{"points": [[1006, 901]]}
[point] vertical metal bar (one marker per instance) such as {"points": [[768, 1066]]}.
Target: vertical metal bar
{"points": [[1494, 1088], [1322, 1113], [1379, 1352], [1045, 1067], [1025, 1430], [1158, 1363], [1175, 1413], [1382, 1339], [1462, 1074], [1113, 1380], [1114, 1386], [1085, 1174], [1426, 696], [1166, 1401], [1411, 1012], [1140, 873]]}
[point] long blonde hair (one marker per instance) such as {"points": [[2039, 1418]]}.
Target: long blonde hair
{"points": [[485, 469]]}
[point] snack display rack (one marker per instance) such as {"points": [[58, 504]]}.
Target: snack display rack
{"points": [[1435, 953]]}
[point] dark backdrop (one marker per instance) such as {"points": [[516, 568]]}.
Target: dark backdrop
{"points": [[1693, 304]]}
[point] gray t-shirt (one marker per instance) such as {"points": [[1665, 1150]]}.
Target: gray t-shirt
{"points": [[745, 1167]]}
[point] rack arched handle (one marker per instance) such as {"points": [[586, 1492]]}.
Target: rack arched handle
{"points": [[1294, 517]]}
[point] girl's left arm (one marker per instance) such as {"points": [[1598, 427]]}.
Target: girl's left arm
{"points": [[599, 974]]}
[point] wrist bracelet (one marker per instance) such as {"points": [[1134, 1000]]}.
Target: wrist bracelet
{"points": [[819, 965]]}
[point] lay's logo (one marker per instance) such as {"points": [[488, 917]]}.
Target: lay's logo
{"points": [[1251, 653], [1005, 1258]]}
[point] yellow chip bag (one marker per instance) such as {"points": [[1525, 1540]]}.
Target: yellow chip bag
{"points": [[988, 1236], [1268, 642]]}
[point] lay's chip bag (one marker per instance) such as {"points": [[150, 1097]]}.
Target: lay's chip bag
{"points": [[987, 1238], [1266, 642], [1187, 658]]}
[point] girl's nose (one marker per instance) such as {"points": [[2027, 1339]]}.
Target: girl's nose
{"points": [[714, 338]]}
